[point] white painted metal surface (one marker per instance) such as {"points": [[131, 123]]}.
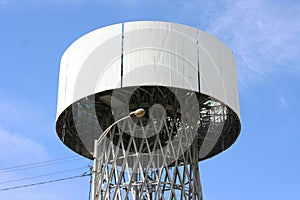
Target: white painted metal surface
{"points": [[154, 53], [159, 53], [90, 65]]}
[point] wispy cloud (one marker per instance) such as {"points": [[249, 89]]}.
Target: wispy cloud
{"points": [[262, 34], [21, 116], [17, 148], [264, 37]]}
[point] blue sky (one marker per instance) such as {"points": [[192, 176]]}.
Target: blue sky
{"points": [[264, 36]]}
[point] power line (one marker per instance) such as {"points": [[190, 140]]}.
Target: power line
{"points": [[43, 175], [25, 165], [30, 166], [45, 182]]}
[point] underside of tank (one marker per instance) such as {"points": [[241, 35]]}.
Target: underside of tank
{"points": [[216, 124]]}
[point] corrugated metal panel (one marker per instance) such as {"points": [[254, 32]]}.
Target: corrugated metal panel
{"points": [[209, 68], [91, 64], [160, 53], [218, 76], [155, 53]]}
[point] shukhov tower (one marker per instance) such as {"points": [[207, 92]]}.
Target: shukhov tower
{"points": [[147, 101]]}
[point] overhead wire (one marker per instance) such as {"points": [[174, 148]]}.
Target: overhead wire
{"points": [[47, 161], [36, 165], [42, 175], [45, 182], [42, 164]]}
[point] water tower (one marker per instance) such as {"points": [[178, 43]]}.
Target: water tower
{"points": [[147, 101]]}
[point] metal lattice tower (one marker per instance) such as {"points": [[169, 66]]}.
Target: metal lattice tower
{"points": [[183, 78]]}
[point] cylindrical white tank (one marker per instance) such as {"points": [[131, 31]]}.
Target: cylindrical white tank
{"points": [[101, 67]]}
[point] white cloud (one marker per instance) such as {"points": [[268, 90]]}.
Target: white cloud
{"points": [[11, 111], [18, 149], [20, 115], [264, 35]]}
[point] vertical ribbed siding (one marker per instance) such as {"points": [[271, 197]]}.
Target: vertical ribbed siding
{"points": [[91, 64], [147, 53]]}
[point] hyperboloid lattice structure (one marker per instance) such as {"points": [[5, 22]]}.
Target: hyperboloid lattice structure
{"points": [[182, 77]]}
